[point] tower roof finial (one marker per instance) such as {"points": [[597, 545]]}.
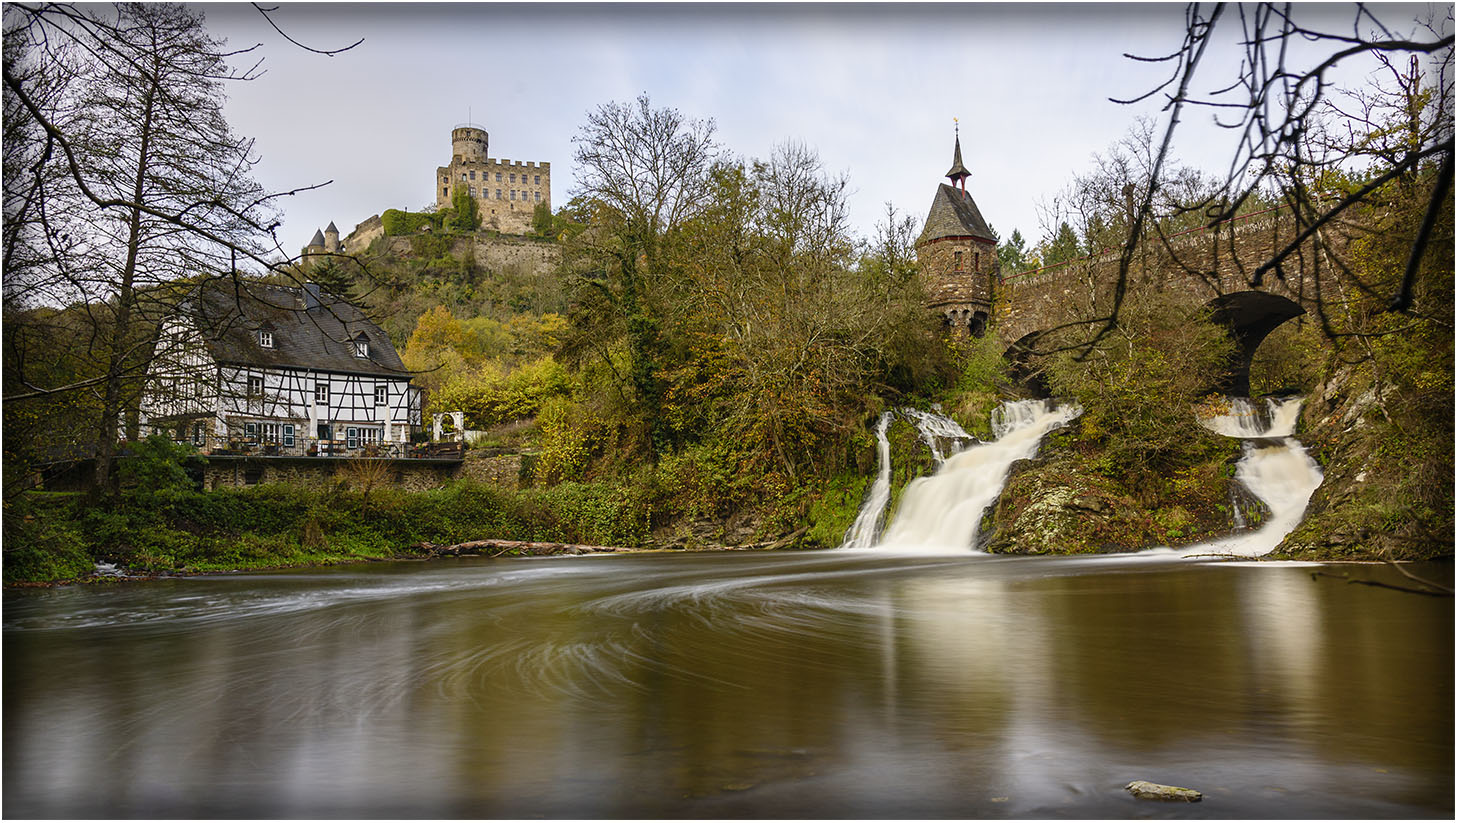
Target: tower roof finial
{"points": [[958, 172]]}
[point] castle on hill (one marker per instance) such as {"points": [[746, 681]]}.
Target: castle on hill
{"points": [[506, 193]]}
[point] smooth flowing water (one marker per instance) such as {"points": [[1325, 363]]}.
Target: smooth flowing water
{"points": [[842, 683], [945, 509]]}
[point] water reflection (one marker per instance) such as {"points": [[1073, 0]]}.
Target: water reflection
{"points": [[844, 684]]}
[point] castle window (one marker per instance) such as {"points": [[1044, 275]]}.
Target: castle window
{"points": [[473, 174], [498, 191], [471, 190], [956, 261], [536, 195], [976, 261], [445, 191], [513, 194], [498, 177], [463, 176], [537, 178]]}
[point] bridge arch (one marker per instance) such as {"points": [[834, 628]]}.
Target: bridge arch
{"points": [[1248, 316], [1024, 367]]}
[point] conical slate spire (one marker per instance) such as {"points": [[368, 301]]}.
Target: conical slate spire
{"points": [[958, 172], [318, 238], [331, 228]]}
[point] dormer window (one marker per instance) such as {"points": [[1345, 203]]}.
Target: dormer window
{"points": [[361, 346], [265, 338]]}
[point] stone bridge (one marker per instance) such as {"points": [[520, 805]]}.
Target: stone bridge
{"points": [[1209, 265]]}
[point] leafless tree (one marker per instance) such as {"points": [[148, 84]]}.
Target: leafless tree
{"points": [[1272, 103], [124, 185]]}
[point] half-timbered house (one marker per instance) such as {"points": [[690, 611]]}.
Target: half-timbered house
{"points": [[279, 370]]}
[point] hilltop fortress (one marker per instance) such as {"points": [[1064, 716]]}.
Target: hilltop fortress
{"points": [[506, 191]]}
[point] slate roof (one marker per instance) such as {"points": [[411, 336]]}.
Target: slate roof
{"points": [[317, 338], [317, 239], [954, 214], [330, 228]]}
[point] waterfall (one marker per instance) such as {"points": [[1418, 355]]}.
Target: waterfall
{"points": [[935, 428], [945, 509], [862, 533], [1275, 468]]}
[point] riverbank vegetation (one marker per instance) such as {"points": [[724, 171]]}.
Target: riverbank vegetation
{"points": [[695, 349]]}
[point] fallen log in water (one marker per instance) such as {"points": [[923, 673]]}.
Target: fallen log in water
{"points": [[497, 548]]}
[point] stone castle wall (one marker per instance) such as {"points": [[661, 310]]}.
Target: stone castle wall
{"points": [[506, 191], [496, 254], [363, 235]]}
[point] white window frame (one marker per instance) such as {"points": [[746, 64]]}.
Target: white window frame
{"points": [[321, 392], [382, 395], [265, 338], [255, 385], [361, 348]]}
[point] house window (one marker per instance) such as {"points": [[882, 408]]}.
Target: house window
{"points": [[255, 386], [351, 437], [361, 348], [956, 261], [265, 338], [321, 393], [197, 434], [250, 432], [369, 436], [288, 435], [382, 395], [271, 434]]}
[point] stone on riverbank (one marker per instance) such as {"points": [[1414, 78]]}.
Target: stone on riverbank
{"points": [[1144, 790]]}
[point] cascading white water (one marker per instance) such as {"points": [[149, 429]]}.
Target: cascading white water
{"points": [[945, 509], [862, 533], [935, 428], [1275, 468]]}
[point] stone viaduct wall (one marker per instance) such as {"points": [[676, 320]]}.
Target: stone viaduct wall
{"points": [[1203, 263]]}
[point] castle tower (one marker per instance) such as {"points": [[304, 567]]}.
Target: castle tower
{"points": [[315, 248], [331, 239], [469, 144], [957, 254]]}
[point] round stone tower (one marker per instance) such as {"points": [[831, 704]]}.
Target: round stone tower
{"points": [[469, 144]]}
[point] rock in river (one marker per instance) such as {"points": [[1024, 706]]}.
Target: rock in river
{"points": [[1145, 790]]}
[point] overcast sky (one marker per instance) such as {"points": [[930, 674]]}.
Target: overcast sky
{"points": [[873, 88]]}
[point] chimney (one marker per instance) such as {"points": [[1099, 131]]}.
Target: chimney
{"points": [[311, 296]]}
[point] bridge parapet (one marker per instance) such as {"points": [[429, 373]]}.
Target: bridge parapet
{"points": [[1203, 263]]}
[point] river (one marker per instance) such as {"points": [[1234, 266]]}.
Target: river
{"points": [[839, 683]]}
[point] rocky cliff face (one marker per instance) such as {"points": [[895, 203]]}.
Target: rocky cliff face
{"points": [[1387, 491]]}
